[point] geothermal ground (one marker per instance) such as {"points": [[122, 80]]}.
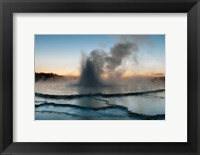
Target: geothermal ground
{"points": [[66, 99]]}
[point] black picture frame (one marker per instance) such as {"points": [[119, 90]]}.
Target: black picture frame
{"points": [[8, 7]]}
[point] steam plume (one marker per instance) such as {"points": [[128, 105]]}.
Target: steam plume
{"points": [[118, 52], [99, 62]]}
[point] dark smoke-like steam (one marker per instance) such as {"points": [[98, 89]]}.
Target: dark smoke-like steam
{"points": [[92, 68], [99, 62], [118, 53]]}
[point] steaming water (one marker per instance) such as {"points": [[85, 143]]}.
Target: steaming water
{"points": [[61, 101]]}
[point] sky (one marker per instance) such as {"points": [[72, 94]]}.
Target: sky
{"points": [[61, 54]]}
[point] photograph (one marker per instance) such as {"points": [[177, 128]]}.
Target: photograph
{"points": [[99, 76]]}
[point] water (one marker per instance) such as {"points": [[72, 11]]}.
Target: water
{"points": [[62, 101]]}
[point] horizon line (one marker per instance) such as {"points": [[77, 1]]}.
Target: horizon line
{"points": [[158, 74]]}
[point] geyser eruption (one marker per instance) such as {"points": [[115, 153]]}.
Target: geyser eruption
{"points": [[99, 62], [91, 69], [89, 76]]}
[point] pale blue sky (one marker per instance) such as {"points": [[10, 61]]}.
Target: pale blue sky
{"points": [[61, 54]]}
